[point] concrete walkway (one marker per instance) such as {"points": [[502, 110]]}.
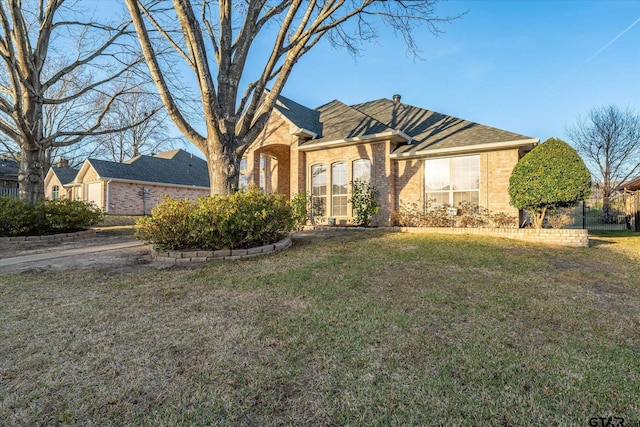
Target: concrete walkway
{"points": [[66, 253]]}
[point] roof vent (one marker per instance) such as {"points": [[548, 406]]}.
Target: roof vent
{"points": [[396, 98]]}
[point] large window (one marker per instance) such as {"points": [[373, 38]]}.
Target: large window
{"points": [[55, 192], [362, 170], [339, 189], [318, 190], [452, 181]]}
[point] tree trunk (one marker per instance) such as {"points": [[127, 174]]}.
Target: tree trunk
{"points": [[224, 167], [31, 174]]}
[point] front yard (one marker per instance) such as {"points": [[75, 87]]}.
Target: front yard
{"points": [[351, 329]]}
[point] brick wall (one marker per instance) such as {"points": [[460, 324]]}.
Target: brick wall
{"points": [[125, 198], [563, 237]]}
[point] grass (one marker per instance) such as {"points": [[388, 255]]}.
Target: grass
{"points": [[356, 329]]}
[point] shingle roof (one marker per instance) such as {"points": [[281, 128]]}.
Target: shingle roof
{"points": [[431, 130], [65, 175], [301, 116], [176, 167], [9, 169], [340, 121]]}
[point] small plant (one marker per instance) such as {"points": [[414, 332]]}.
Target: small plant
{"points": [[364, 201], [300, 209], [560, 217]]}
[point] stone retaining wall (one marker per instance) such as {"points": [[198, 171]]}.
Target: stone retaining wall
{"points": [[563, 237], [62, 237], [197, 255]]}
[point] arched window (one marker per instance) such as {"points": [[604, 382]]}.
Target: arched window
{"points": [[362, 170], [318, 190], [339, 189]]}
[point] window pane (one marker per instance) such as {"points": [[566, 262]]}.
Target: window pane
{"points": [[466, 173], [465, 196], [362, 170], [318, 180], [437, 199], [243, 164], [339, 178], [437, 174], [244, 181], [339, 207]]}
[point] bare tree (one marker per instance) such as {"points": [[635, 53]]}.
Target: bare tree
{"points": [[215, 39], [151, 136], [609, 141], [54, 57]]}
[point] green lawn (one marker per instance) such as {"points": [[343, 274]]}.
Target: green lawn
{"points": [[356, 329]]}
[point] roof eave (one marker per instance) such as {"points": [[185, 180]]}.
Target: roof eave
{"points": [[305, 133], [395, 136], [531, 142]]}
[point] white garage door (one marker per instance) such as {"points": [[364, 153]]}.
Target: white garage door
{"points": [[94, 193]]}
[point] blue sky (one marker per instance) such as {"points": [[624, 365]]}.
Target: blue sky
{"points": [[530, 67]]}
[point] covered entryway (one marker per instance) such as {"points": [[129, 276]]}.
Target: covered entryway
{"points": [[273, 166]]}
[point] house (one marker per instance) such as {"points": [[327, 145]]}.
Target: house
{"points": [[137, 185], [57, 178], [409, 154], [9, 177]]}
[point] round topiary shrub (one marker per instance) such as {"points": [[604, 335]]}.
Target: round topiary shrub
{"points": [[550, 176], [234, 221]]}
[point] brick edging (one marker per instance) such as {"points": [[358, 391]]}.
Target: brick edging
{"points": [[572, 237], [61, 237], [229, 254]]}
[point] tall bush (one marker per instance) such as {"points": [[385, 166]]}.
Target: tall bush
{"points": [[364, 202], [300, 209], [240, 220], [550, 176]]}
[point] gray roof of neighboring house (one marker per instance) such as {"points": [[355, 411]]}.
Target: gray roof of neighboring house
{"points": [[176, 167], [427, 129], [65, 175], [301, 116], [9, 169]]}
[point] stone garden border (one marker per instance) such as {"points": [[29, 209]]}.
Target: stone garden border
{"points": [[228, 254], [58, 238]]}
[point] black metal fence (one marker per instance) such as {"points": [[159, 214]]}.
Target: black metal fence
{"points": [[623, 213]]}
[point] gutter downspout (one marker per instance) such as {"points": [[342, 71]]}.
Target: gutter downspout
{"points": [[106, 208]]}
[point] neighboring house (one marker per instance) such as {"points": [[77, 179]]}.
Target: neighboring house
{"points": [[137, 185], [409, 154], [9, 177], [57, 177], [631, 191]]}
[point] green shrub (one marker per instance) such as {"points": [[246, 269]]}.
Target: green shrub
{"points": [[169, 224], [240, 220], [364, 201], [550, 176], [300, 209], [68, 215], [21, 218]]}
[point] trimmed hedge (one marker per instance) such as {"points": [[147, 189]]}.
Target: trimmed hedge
{"points": [[240, 220], [21, 218]]}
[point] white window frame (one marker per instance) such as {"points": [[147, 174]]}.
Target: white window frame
{"points": [[451, 191]]}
